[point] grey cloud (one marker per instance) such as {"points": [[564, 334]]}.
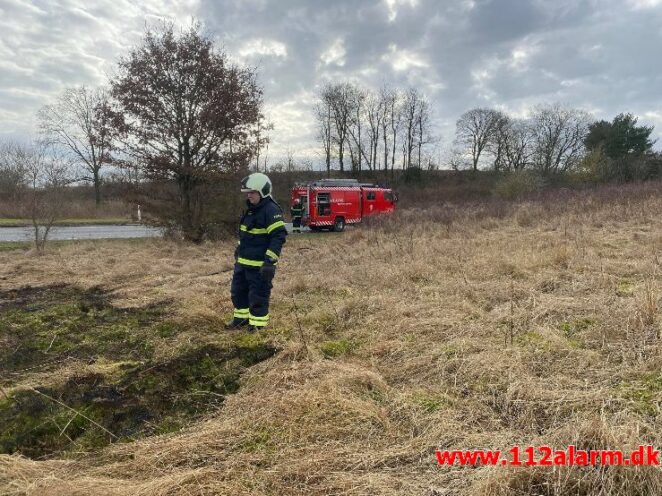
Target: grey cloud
{"points": [[594, 54], [493, 22], [47, 45], [578, 51]]}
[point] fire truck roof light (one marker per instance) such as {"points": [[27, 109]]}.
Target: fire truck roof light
{"points": [[344, 183]]}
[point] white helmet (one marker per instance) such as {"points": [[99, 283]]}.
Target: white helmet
{"points": [[256, 182]]}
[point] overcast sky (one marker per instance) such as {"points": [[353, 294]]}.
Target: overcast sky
{"points": [[602, 56]]}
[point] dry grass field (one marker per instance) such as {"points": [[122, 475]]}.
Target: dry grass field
{"points": [[459, 327]]}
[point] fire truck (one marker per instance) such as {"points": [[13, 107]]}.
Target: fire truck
{"points": [[334, 203]]}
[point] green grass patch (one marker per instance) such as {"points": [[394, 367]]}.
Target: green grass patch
{"points": [[14, 245], [644, 393], [333, 349], [531, 339], [573, 330], [625, 288], [49, 324], [432, 403], [136, 394], [261, 440], [450, 351]]}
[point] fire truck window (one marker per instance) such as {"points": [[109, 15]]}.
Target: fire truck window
{"points": [[371, 195], [323, 204], [388, 196]]}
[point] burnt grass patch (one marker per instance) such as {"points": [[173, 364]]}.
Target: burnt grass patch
{"points": [[134, 396]]}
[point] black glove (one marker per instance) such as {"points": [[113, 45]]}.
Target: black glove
{"points": [[268, 271]]}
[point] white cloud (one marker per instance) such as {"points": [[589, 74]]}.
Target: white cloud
{"points": [[294, 126], [644, 4], [569, 83], [394, 5], [521, 54], [262, 47], [402, 60], [482, 75], [66, 43], [335, 54], [654, 115]]}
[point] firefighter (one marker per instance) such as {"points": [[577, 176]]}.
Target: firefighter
{"points": [[297, 211], [261, 237]]}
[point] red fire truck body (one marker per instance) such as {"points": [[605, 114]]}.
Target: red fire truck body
{"points": [[333, 203]]}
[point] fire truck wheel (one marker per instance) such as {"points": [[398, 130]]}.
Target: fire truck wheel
{"points": [[339, 224]]}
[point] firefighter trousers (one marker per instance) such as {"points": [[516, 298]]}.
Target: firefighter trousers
{"points": [[250, 295], [296, 224]]}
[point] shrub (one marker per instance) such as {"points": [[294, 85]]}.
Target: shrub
{"points": [[518, 184]]}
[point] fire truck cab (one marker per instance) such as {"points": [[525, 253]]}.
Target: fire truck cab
{"points": [[333, 203]]}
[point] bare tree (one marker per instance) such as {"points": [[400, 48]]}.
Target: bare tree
{"points": [[186, 114], [290, 163], [339, 99], [374, 108], [355, 120], [306, 165], [366, 125], [517, 144], [395, 119], [356, 101], [475, 130], [388, 100], [325, 130], [409, 111], [46, 174], [558, 137], [415, 119], [12, 175], [457, 159], [260, 136], [498, 140], [80, 122], [423, 135]]}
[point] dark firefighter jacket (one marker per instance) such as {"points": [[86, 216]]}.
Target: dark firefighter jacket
{"points": [[296, 210], [262, 234]]}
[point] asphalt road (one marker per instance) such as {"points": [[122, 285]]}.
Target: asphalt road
{"points": [[89, 232], [81, 232]]}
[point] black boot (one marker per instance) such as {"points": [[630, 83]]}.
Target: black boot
{"points": [[236, 323]]}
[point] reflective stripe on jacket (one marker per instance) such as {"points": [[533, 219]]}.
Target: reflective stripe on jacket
{"points": [[261, 233]]}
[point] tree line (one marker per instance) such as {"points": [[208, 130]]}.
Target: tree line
{"points": [[368, 130], [556, 140]]}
